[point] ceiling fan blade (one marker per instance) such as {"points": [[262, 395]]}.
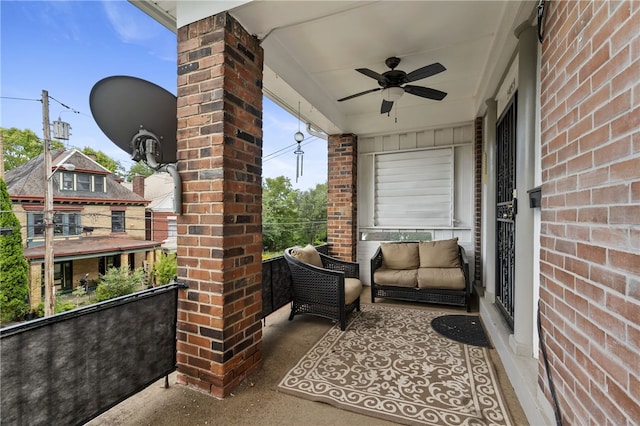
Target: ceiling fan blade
{"points": [[386, 106], [360, 94], [424, 72], [425, 92], [369, 73]]}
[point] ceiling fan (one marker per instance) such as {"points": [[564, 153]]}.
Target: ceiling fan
{"points": [[391, 83]]}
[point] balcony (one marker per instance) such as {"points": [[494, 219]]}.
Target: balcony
{"points": [[77, 364]]}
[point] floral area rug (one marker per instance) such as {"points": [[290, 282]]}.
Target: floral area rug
{"points": [[390, 364]]}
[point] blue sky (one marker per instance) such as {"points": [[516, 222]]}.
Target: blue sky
{"points": [[65, 47]]}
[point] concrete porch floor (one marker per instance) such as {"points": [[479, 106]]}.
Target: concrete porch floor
{"points": [[257, 400]]}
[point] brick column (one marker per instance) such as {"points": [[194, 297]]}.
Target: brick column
{"points": [[219, 233], [342, 198]]}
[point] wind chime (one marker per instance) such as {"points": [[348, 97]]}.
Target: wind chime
{"points": [[299, 137]]}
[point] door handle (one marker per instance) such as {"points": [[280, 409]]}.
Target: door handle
{"points": [[509, 213], [512, 210]]}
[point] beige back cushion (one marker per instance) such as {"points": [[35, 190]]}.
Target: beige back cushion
{"points": [[308, 254], [400, 255], [439, 254]]}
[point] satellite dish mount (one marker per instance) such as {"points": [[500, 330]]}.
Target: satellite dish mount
{"points": [[145, 146]]}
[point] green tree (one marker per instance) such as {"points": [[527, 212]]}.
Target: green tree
{"points": [[292, 217], [21, 146], [104, 160], [165, 268], [14, 269], [140, 168], [119, 282], [312, 213], [279, 213]]}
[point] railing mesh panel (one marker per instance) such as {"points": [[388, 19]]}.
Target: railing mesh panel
{"points": [[71, 367]]}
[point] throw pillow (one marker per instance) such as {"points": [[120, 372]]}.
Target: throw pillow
{"points": [[400, 255], [308, 254], [439, 254]]}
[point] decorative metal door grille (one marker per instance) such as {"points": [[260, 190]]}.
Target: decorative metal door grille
{"points": [[505, 210]]}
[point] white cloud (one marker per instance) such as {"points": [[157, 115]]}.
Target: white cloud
{"points": [[129, 28], [134, 27]]}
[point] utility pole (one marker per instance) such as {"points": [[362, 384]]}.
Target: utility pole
{"points": [[49, 289]]}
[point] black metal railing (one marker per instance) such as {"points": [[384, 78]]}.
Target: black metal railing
{"points": [[68, 368]]}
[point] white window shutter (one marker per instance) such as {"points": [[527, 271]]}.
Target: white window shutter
{"points": [[414, 189]]}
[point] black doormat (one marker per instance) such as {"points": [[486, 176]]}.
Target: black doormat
{"points": [[465, 329]]}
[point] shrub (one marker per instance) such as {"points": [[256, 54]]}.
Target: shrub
{"points": [[14, 269], [119, 282], [59, 306], [63, 305], [165, 268]]}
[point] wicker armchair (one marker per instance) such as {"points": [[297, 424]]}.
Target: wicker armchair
{"points": [[330, 290]]}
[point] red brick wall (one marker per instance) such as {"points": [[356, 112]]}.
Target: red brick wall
{"points": [[160, 225], [219, 232], [590, 242], [342, 156], [138, 185]]}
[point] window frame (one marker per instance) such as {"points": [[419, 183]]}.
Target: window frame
{"points": [[34, 225], [102, 185], [116, 217], [63, 221], [84, 179], [67, 182], [72, 181]]}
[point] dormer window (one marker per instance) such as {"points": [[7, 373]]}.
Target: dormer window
{"points": [[67, 181], [82, 182], [98, 184]]}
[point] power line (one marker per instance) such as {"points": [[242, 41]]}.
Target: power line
{"points": [[280, 151], [20, 99], [65, 106]]}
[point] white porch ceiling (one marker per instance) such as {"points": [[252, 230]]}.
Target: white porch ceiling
{"points": [[313, 47]]}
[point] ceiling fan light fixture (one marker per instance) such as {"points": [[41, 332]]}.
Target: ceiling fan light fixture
{"points": [[392, 94]]}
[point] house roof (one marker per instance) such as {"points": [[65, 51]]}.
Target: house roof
{"points": [[27, 182], [88, 247]]}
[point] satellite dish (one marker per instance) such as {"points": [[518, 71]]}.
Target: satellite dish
{"points": [[141, 118], [138, 116]]}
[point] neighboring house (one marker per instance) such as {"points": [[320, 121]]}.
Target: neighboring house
{"points": [[99, 224], [161, 219], [538, 139]]}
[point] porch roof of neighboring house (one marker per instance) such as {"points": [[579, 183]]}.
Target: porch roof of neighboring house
{"points": [[88, 247], [312, 51]]}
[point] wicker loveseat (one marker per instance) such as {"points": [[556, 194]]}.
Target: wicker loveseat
{"points": [[322, 285], [433, 272]]}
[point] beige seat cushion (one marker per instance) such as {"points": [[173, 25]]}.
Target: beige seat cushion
{"points": [[400, 255], [396, 277], [439, 254], [308, 254], [441, 278], [352, 290]]}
